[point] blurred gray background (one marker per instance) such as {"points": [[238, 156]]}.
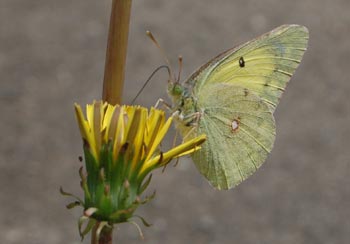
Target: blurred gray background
{"points": [[52, 55]]}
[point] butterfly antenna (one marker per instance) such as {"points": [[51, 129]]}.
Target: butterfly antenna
{"points": [[148, 80], [153, 39], [180, 69]]}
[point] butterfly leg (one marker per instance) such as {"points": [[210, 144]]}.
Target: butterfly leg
{"points": [[163, 103], [175, 138], [193, 121]]}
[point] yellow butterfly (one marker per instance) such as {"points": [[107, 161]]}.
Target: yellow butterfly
{"points": [[232, 98]]}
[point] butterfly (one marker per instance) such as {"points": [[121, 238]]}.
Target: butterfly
{"points": [[232, 99]]}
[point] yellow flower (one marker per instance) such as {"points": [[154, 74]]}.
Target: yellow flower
{"points": [[134, 126], [121, 148]]}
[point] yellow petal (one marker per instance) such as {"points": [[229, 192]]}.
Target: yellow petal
{"points": [[181, 150], [155, 121], [97, 124], [112, 123], [85, 129], [106, 124], [160, 135]]}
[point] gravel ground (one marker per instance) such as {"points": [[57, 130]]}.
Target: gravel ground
{"points": [[52, 55]]}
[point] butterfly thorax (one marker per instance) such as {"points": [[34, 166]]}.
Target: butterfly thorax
{"points": [[184, 107]]}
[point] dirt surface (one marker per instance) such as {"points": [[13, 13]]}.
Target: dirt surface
{"points": [[52, 55]]}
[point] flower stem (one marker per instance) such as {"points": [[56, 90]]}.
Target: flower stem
{"points": [[105, 235], [116, 52]]}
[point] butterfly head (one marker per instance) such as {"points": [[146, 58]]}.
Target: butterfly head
{"points": [[175, 89]]}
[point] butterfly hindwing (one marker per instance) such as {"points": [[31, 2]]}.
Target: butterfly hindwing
{"points": [[263, 65], [240, 133]]}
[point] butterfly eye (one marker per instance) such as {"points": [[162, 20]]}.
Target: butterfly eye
{"points": [[177, 90]]}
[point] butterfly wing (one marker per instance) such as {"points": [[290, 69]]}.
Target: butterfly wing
{"points": [[263, 65], [236, 94], [240, 133]]}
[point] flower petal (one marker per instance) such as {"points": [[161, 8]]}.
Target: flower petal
{"points": [[181, 150], [160, 135]]}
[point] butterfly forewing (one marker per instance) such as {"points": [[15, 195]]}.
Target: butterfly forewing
{"points": [[263, 65], [240, 133]]}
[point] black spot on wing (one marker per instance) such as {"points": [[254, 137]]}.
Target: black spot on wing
{"points": [[241, 62]]}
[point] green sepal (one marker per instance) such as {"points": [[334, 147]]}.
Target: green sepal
{"points": [[106, 160], [148, 198], [144, 222], [73, 205], [70, 195], [122, 216], [83, 184], [145, 185], [88, 227], [93, 170]]}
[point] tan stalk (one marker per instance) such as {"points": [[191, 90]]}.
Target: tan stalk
{"points": [[104, 237], [116, 52]]}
